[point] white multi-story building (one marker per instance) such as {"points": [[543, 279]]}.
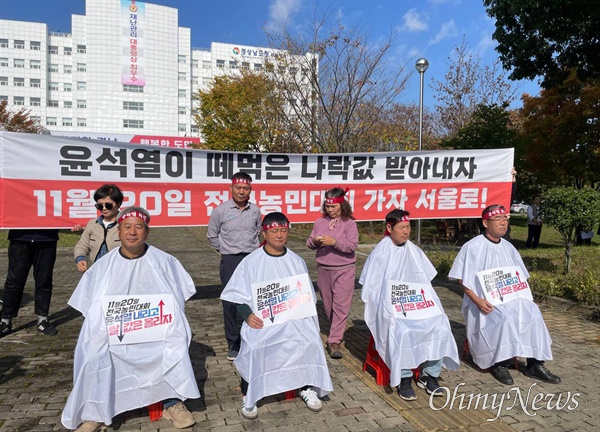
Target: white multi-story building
{"points": [[127, 67]]}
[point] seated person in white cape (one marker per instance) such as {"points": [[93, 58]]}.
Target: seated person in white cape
{"points": [[133, 346], [403, 311], [281, 346], [502, 319]]}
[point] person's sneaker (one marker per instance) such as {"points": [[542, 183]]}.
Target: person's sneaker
{"points": [[46, 328], [334, 351], [248, 412], [179, 415], [309, 396], [430, 384], [541, 372], [5, 328], [405, 390], [232, 354], [91, 426], [502, 374]]}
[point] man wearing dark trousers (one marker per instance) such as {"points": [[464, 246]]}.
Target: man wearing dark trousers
{"points": [[233, 231], [29, 247]]}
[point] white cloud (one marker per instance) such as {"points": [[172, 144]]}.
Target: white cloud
{"points": [[414, 21], [281, 10], [448, 30], [485, 43]]}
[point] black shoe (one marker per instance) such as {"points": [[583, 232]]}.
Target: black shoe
{"points": [[405, 390], [5, 329], [46, 328], [502, 374], [232, 354], [541, 372], [430, 384]]}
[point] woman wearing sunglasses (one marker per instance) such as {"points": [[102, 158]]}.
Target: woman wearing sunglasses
{"points": [[100, 235]]}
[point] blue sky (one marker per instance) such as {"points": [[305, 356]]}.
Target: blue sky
{"points": [[423, 28]]}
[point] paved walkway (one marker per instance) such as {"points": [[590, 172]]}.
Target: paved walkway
{"points": [[36, 370]]}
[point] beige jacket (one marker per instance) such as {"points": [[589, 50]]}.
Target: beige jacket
{"points": [[92, 238]]}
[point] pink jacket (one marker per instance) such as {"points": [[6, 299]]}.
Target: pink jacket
{"points": [[346, 237]]}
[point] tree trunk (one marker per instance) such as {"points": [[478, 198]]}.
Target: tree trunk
{"points": [[568, 258]]}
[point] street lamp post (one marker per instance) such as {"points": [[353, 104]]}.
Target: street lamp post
{"points": [[421, 65]]}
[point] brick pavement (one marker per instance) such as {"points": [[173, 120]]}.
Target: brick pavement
{"points": [[36, 370]]}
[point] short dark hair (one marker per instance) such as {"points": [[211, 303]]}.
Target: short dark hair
{"points": [[492, 207], [275, 217], [111, 191], [337, 192], [395, 216], [242, 175]]}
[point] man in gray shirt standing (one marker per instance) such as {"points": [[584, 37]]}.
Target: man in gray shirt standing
{"points": [[233, 231]]}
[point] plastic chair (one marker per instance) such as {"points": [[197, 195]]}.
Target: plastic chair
{"points": [[382, 372], [155, 410]]}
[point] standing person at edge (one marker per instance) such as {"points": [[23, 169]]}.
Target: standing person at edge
{"points": [[29, 247], [100, 235], [403, 342], [498, 333], [335, 238], [233, 231], [534, 224]]}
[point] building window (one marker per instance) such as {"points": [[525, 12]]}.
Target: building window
{"points": [[181, 93], [206, 64], [245, 65], [81, 67], [81, 122], [195, 63], [67, 104], [19, 100], [53, 49], [4, 62], [35, 64], [67, 50], [67, 69], [3, 81], [181, 109], [182, 127], [19, 82], [34, 82], [182, 76], [34, 101], [81, 85], [50, 121], [53, 104], [36, 46], [3, 98], [194, 129], [36, 119], [206, 80], [233, 64], [67, 86], [133, 89], [221, 64], [53, 86], [3, 43], [133, 124], [133, 106], [81, 104], [67, 122], [182, 59], [194, 80], [19, 44], [19, 63], [257, 67], [53, 68], [81, 49]]}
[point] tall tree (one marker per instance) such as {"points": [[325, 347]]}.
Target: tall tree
{"points": [[562, 127], [547, 38], [19, 121], [342, 86], [468, 85]]}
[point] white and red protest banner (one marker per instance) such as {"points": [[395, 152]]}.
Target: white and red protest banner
{"points": [[412, 301], [504, 284], [48, 181], [151, 140]]}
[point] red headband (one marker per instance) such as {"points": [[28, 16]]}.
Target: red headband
{"points": [[275, 225], [492, 213], [337, 200], [239, 180], [136, 214], [404, 218]]}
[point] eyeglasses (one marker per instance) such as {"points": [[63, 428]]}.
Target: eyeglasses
{"points": [[107, 206], [500, 219]]}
